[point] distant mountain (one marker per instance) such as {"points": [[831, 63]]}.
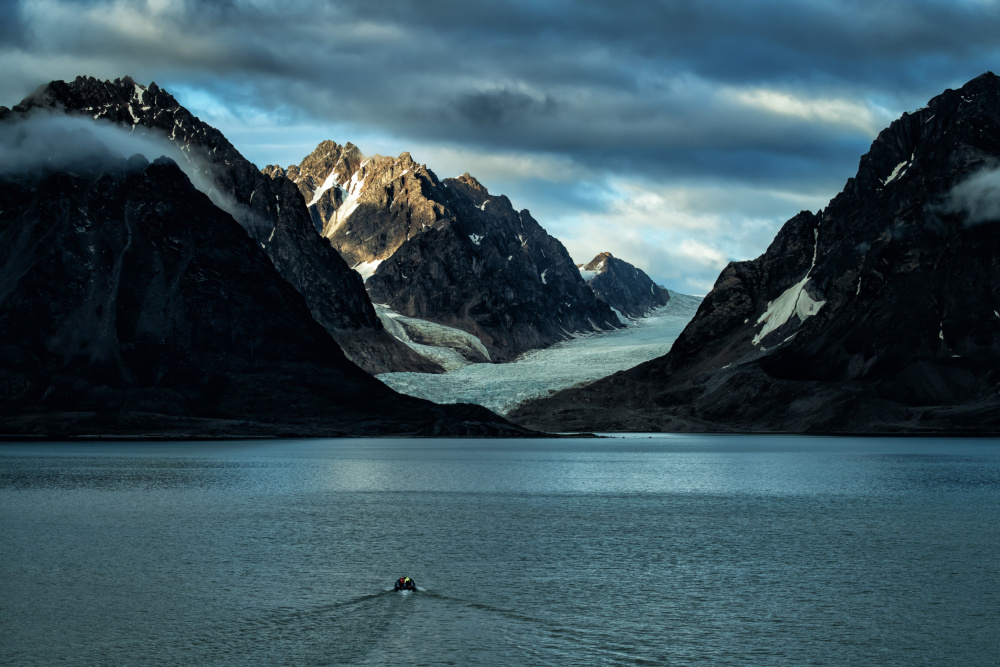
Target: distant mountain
{"points": [[622, 286], [131, 306], [879, 314], [447, 251], [270, 209]]}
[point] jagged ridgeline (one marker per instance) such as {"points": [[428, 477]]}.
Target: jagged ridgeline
{"points": [[271, 211], [133, 306], [622, 286], [447, 250], [880, 313]]}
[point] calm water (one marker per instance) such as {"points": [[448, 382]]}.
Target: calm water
{"points": [[673, 550]]}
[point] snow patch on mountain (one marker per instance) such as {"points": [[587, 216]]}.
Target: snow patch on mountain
{"points": [[366, 269], [330, 181], [896, 172], [352, 194], [793, 301]]}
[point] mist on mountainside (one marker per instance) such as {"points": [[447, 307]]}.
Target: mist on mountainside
{"points": [[54, 141], [977, 197]]}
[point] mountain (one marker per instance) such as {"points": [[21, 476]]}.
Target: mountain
{"points": [[131, 306], [447, 251], [622, 286], [879, 314], [269, 209]]}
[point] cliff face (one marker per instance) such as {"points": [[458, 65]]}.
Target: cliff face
{"points": [[271, 211], [131, 306], [622, 286], [877, 314], [447, 251]]}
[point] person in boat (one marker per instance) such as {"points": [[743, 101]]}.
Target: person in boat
{"points": [[405, 584]]}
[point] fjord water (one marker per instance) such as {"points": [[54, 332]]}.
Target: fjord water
{"points": [[672, 549]]}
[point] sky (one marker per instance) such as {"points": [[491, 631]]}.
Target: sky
{"points": [[677, 135]]}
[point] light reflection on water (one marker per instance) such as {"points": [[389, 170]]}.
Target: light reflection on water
{"points": [[732, 549]]}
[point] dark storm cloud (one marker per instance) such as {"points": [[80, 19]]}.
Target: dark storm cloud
{"points": [[776, 94], [503, 107], [635, 84]]}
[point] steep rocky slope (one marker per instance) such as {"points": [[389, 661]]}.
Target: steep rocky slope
{"points": [[622, 286], [447, 251], [880, 313], [130, 305], [269, 209]]}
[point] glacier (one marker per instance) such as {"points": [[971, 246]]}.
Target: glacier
{"points": [[580, 360]]}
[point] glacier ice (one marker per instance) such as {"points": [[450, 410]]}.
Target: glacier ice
{"points": [[580, 360]]}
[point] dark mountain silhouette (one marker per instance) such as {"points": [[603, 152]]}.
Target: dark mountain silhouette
{"points": [[271, 211], [880, 313]]}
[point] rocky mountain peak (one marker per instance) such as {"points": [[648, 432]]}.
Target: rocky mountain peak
{"points": [[471, 181], [126, 102], [346, 193], [599, 263], [623, 286]]}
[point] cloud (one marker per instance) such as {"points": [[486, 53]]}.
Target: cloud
{"points": [[12, 28], [681, 235], [53, 141], [824, 110], [502, 107], [977, 197], [49, 140]]}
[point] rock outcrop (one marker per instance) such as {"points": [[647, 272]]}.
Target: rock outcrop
{"points": [[622, 286], [878, 314], [271, 211], [447, 251], [131, 306]]}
